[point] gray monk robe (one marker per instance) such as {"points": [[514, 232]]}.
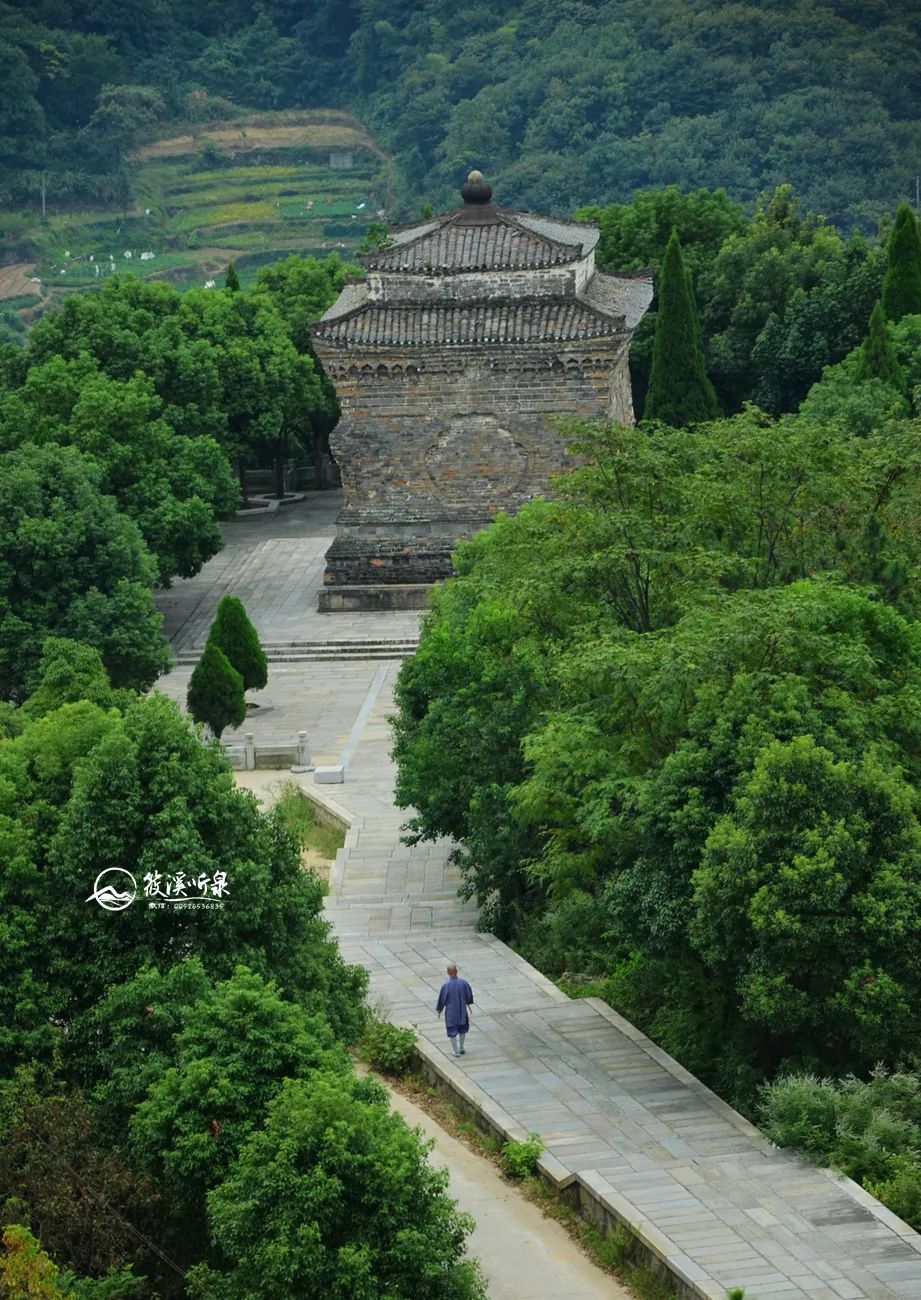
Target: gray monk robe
{"points": [[455, 997]]}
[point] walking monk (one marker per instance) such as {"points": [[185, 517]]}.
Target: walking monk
{"points": [[455, 999]]}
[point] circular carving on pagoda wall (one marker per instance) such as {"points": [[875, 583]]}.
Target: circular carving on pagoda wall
{"points": [[476, 459]]}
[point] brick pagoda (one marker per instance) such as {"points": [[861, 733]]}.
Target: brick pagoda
{"points": [[469, 333]]}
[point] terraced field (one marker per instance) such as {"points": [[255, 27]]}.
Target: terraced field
{"points": [[252, 190]]}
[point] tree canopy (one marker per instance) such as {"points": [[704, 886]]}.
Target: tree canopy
{"points": [[73, 566], [669, 719]]}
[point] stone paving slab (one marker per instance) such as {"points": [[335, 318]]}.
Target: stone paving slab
{"points": [[643, 1139]]}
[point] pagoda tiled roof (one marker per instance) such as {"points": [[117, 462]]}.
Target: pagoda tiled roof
{"points": [[489, 238], [497, 320]]}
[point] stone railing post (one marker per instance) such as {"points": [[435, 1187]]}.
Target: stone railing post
{"points": [[250, 761]]}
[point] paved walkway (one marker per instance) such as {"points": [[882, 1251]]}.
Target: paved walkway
{"points": [[692, 1178], [523, 1253]]}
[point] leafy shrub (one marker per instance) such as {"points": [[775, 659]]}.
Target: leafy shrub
{"points": [[388, 1048], [568, 936], [869, 1130], [519, 1159]]}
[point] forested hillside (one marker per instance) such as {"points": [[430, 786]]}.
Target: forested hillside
{"points": [[568, 103]]}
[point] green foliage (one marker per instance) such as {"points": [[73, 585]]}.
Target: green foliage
{"points": [[27, 1271], [57, 1174], [868, 1129], [297, 814], [877, 356], [215, 692], [739, 97], [302, 288], [232, 280], [680, 393], [334, 1196], [376, 237], [388, 1048], [902, 285], [82, 790], [74, 567], [635, 235], [235, 1046], [519, 1159], [678, 750], [68, 672], [235, 636]]}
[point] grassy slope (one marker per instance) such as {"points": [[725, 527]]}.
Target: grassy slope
{"points": [[251, 189]]}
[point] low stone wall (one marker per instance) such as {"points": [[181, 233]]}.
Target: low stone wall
{"points": [[588, 1193], [368, 598]]}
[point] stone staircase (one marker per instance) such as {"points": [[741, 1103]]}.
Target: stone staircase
{"points": [[296, 652]]}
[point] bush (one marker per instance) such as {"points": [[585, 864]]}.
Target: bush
{"points": [[215, 694], [867, 1129], [388, 1048], [568, 937], [519, 1159], [234, 634]]}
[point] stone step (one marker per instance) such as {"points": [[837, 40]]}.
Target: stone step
{"points": [[318, 651]]}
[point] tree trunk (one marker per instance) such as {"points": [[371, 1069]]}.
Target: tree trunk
{"points": [[281, 446], [319, 446]]}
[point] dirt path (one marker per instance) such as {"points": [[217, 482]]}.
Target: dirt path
{"points": [[525, 1256]]}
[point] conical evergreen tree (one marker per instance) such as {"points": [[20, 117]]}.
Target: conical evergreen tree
{"points": [[215, 694], [238, 639], [902, 284], [877, 355], [679, 391], [232, 280]]}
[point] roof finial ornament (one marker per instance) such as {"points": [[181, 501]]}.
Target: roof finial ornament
{"points": [[475, 189]]}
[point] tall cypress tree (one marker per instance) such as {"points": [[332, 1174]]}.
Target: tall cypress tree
{"points": [[232, 280], [877, 355], [215, 693], [679, 391], [902, 285], [235, 635]]}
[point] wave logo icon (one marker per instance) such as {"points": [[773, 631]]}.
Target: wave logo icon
{"points": [[112, 890]]}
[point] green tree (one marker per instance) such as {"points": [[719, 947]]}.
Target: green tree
{"points": [[877, 356], [680, 393], [232, 280], [234, 634], [54, 1168], [902, 285], [174, 487], [334, 1196], [215, 693], [806, 897], [68, 672], [74, 566], [235, 1047], [138, 791], [302, 288]]}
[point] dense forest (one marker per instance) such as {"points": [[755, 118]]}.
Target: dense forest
{"points": [[564, 104]]}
